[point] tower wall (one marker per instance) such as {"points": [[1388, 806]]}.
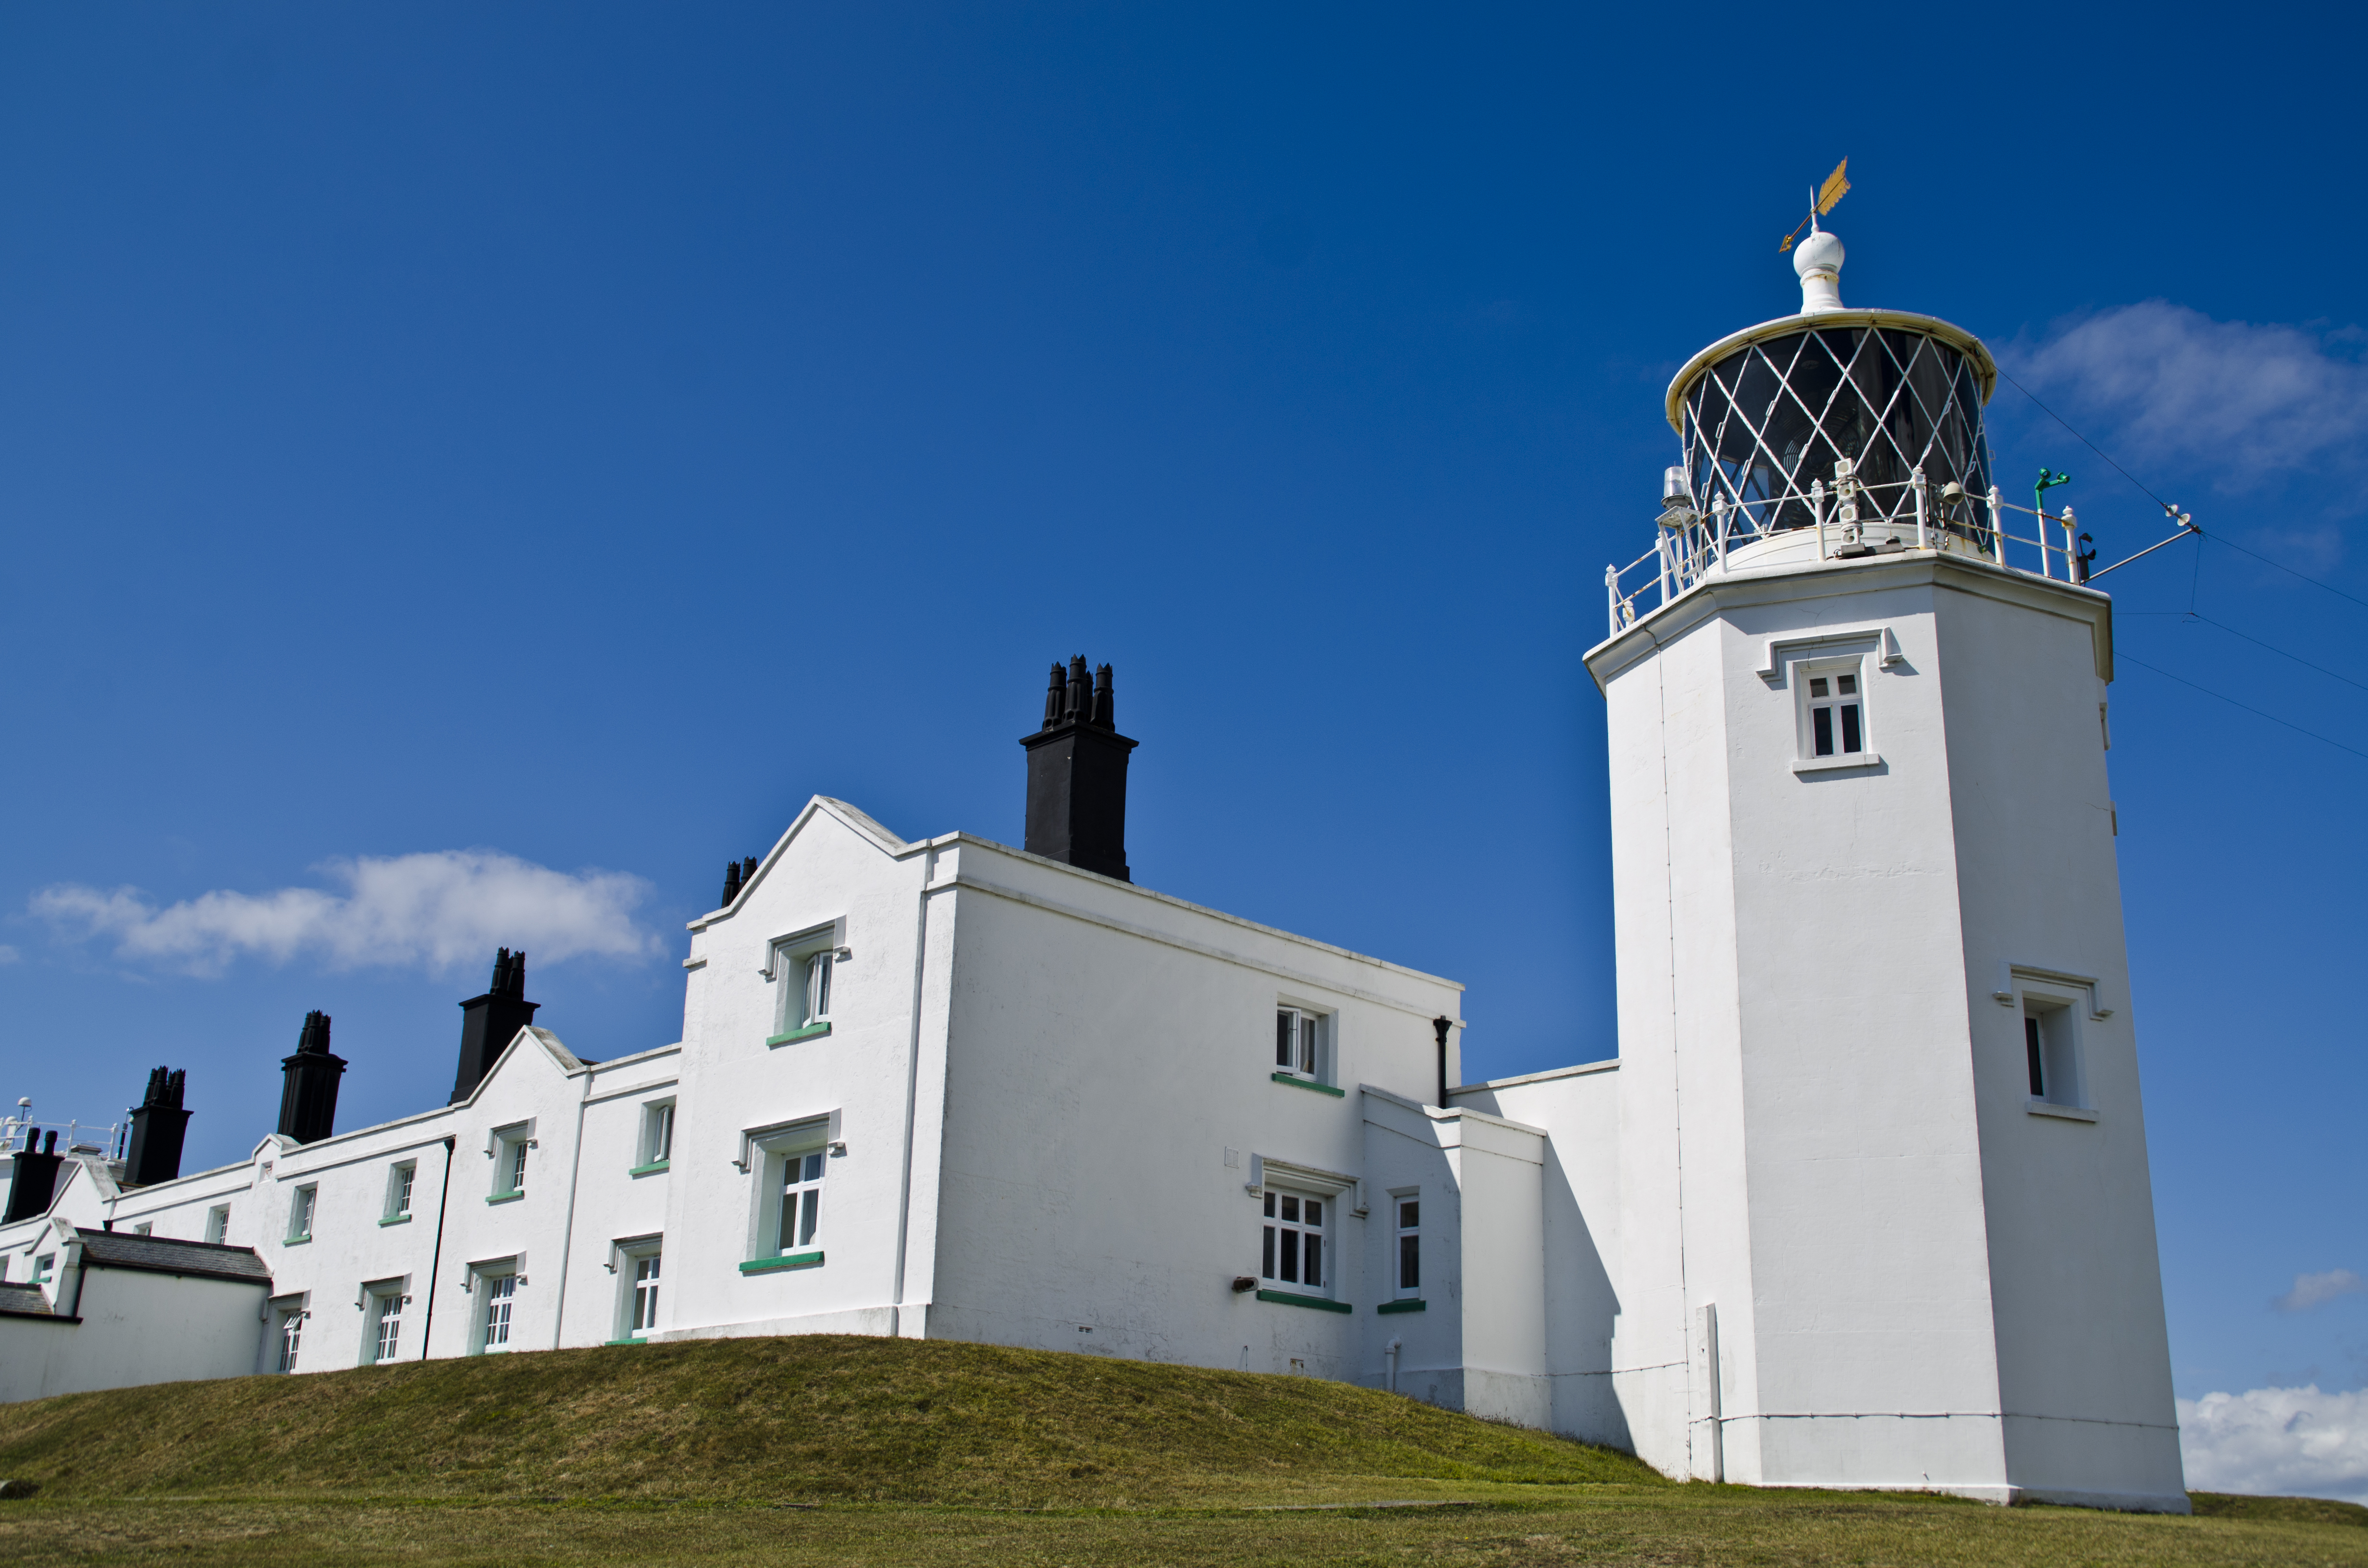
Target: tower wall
{"points": [[2083, 1351], [1821, 1138]]}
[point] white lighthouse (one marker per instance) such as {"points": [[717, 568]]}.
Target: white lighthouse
{"points": [[1884, 1214]]}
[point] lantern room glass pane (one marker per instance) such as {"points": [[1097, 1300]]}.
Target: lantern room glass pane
{"points": [[1771, 419]]}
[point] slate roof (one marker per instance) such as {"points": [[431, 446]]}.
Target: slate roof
{"points": [[24, 1299], [162, 1255]]}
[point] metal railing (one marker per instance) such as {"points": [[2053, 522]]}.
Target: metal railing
{"points": [[1693, 547], [109, 1139]]}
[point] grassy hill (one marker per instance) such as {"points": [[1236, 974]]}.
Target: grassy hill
{"points": [[837, 1451], [812, 1418]]}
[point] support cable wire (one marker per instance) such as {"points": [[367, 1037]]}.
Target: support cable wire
{"points": [[2272, 647], [2120, 657], [2166, 505]]}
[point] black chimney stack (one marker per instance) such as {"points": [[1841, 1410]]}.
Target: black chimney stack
{"points": [[157, 1129], [1077, 775], [736, 875], [308, 1094], [34, 1181], [490, 1022]]}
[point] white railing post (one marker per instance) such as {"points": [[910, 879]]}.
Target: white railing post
{"points": [[1662, 544], [1718, 530], [1998, 525], [1817, 505], [1611, 598], [2071, 548], [1915, 482]]}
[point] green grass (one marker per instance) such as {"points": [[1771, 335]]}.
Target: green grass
{"points": [[788, 1452], [812, 1418]]}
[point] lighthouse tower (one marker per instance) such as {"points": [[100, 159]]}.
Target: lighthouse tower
{"points": [[1885, 1218]]}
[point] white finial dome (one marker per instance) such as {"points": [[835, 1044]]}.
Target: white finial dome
{"points": [[1819, 261]]}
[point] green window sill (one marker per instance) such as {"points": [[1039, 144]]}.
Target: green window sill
{"points": [[295, 1240], [1320, 1303], [630, 1339], [1296, 1082], [794, 1260], [812, 1031], [396, 1220], [653, 1168], [506, 1197], [1412, 1305]]}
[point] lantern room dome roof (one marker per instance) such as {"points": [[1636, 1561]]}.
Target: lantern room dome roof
{"points": [[1957, 338]]}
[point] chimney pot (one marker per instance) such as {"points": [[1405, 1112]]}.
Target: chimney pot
{"points": [[308, 1090], [1077, 775], [490, 1022], [158, 1129]]}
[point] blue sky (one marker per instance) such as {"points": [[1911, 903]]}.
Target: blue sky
{"points": [[457, 459]]}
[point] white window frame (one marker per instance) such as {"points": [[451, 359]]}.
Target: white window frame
{"points": [[656, 1145], [804, 968], [304, 1206], [218, 1225], [1402, 1233], [2052, 1021], [402, 1177], [766, 1154], [2064, 1005], [384, 1300], [1807, 675], [1296, 1054], [145, 1228], [285, 1349], [631, 1255], [42, 1262], [1284, 1207], [483, 1288], [508, 1146]]}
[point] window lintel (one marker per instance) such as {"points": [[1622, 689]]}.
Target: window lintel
{"points": [[804, 942]]}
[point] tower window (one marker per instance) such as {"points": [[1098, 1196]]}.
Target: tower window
{"points": [[2051, 1056], [1409, 1261], [1837, 724]]}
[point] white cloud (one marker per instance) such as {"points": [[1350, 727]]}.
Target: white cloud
{"points": [[2277, 1442], [437, 911], [8, 955], [2311, 1289], [2160, 383]]}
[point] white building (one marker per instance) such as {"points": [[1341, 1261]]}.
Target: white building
{"points": [[1863, 1201]]}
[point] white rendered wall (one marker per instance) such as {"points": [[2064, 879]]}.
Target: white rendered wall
{"points": [[833, 866], [2076, 1281], [137, 1327], [1579, 1197], [1107, 1048], [1800, 1136]]}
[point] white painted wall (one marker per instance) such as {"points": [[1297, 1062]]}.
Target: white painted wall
{"points": [[1580, 1200], [137, 1327], [2076, 1281], [1105, 1048], [1800, 1136]]}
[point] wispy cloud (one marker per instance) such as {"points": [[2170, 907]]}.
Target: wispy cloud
{"points": [[436, 911], [2283, 1442], [8, 955], [2236, 403], [2315, 1289]]}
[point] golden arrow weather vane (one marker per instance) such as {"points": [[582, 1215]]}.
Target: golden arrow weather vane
{"points": [[1821, 201]]}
